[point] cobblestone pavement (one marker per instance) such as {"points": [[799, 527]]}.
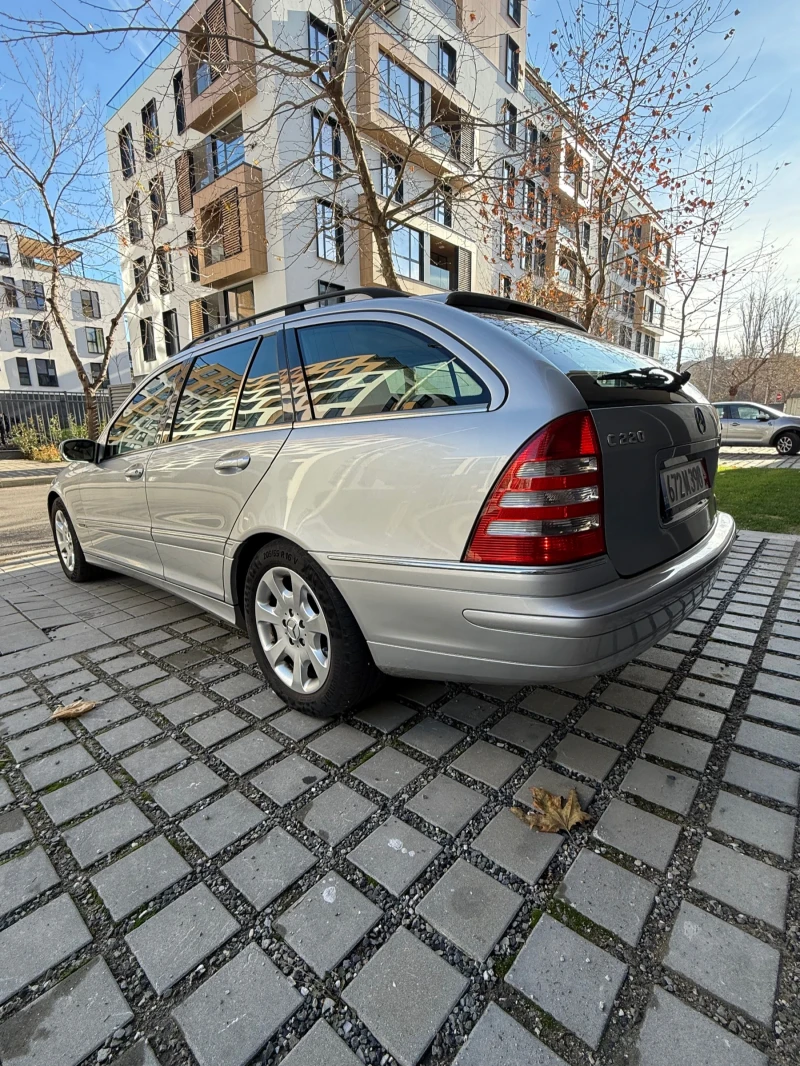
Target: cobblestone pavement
{"points": [[192, 874], [768, 458]]}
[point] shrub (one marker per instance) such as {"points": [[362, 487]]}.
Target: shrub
{"points": [[46, 453]]}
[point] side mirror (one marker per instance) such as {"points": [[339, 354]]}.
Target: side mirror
{"points": [[79, 450], [764, 417]]}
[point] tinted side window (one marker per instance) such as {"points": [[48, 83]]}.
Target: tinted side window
{"points": [[209, 395], [745, 412], [138, 423], [261, 403], [365, 368]]}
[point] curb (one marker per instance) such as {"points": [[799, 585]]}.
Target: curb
{"points": [[11, 482]]}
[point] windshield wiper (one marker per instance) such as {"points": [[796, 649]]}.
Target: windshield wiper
{"points": [[652, 377]]}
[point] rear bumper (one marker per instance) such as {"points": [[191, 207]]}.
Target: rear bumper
{"points": [[420, 625]]}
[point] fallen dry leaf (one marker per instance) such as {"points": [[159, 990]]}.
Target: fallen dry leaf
{"points": [[74, 709], [552, 813]]}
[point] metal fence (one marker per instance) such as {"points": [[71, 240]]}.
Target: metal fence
{"points": [[38, 408]]}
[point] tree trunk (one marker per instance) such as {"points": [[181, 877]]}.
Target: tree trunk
{"points": [[92, 413]]}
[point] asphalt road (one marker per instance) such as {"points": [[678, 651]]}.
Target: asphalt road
{"points": [[24, 526]]}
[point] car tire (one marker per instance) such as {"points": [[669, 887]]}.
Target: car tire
{"points": [[304, 636], [787, 443], [70, 553]]}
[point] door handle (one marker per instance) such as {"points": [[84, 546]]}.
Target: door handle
{"points": [[133, 473], [232, 463], [734, 423]]}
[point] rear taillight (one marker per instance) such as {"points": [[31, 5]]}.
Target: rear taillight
{"points": [[547, 506]]}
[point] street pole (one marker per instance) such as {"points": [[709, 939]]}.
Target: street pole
{"points": [[716, 331]]}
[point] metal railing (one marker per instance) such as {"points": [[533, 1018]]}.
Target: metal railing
{"points": [[39, 408]]}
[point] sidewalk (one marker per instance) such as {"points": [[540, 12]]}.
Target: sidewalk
{"points": [[765, 458], [27, 472]]}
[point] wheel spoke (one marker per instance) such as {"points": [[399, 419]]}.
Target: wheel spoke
{"points": [[267, 614], [277, 651], [292, 629]]}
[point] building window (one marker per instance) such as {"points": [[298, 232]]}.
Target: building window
{"points": [[320, 40], [90, 303], [217, 154], [442, 211], [140, 280], [447, 61], [208, 48], [512, 62], [133, 213], [166, 281], [220, 228], [649, 309], [507, 186], [10, 292], [539, 257], [152, 142], [507, 251], [526, 253], [515, 11], [324, 287], [23, 371], [147, 339], [586, 235], [194, 260], [158, 202], [567, 268], [509, 124], [627, 304], [127, 155], [401, 94], [330, 232], [95, 370], [626, 336], [5, 253], [327, 143], [392, 177], [407, 252], [40, 334], [645, 344], [34, 295], [95, 342], [180, 103], [171, 338], [505, 286], [17, 336], [46, 372]]}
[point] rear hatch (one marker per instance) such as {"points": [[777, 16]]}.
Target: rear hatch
{"points": [[659, 441]]}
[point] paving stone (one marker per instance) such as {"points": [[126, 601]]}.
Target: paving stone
{"points": [[108, 714], [749, 886], [51, 737], [248, 752], [335, 813], [446, 804], [638, 833], [14, 724], [25, 878], [425, 693], [45, 1033], [388, 772], [671, 660], [284, 781], [697, 689], [739, 621], [470, 908], [128, 735], [754, 824], [500, 1041], [585, 756], [673, 1032], [25, 697], [724, 672], [14, 830], [646, 676], [488, 763], [150, 762], [558, 784], [781, 664], [59, 686], [340, 744], [234, 1013], [180, 936], [608, 895], [617, 728], [263, 704], [666, 788], [633, 700], [469, 710], [140, 1054], [217, 727], [93, 839], [185, 788], [432, 737], [395, 855], [130, 882], [676, 748], [6, 795], [725, 961], [143, 676], [733, 636], [385, 716], [267, 868], [81, 796], [164, 690], [213, 670], [44, 938], [774, 742], [327, 922], [237, 686], [321, 1047], [507, 841], [582, 686], [222, 822], [521, 731], [728, 653], [189, 707], [552, 705], [298, 726], [755, 775], [404, 995], [689, 716], [57, 767], [129, 662], [569, 977]]}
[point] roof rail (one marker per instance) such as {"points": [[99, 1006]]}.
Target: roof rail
{"points": [[480, 301], [376, 292]]}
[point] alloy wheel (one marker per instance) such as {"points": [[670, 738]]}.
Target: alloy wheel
{"points": [[292, 630], [784, 444], [64, 541]]}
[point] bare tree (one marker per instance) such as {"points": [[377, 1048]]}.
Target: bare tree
{"points": [[767, 335]]}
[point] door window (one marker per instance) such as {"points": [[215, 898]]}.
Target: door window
{"points": [[365, 368], [209, 396], [138, 423], [744, 411], [262, 403]]}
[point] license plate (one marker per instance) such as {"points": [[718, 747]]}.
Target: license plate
{"points": [[681, 486]]}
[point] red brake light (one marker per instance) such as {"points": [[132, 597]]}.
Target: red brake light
{"points": [[547, 506]]}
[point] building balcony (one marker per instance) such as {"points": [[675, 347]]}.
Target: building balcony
{"points": [[231, 230], [218, 61]]}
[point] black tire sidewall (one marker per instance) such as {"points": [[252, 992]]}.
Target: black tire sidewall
{"points": [[81, 570]]}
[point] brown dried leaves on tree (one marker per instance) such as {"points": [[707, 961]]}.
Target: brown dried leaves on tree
{"points": [[74, 709], [552, 813]]}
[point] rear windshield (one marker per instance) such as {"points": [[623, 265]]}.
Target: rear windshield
{"points": [[591, 364]]}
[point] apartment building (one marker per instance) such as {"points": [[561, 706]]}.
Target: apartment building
{"points": [[231, 205], [33, 354]]}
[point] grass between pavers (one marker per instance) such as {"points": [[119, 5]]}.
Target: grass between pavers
{"points": [[764, 500]]}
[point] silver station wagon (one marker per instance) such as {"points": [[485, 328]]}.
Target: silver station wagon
{"points": [[456, 486]]}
